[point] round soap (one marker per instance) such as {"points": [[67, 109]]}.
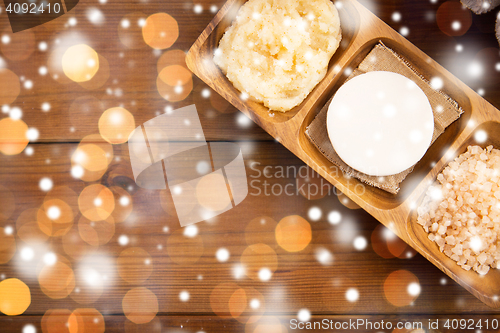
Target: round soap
{"points": [[380, 123]]}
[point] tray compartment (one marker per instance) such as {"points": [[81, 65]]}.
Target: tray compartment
{"points": [[200, 60], [380, 198], [489, 283]]}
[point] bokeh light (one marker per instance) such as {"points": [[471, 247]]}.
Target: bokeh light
{"points": [[57, 280], [100, 78], [175, 75], [123, 204], [399, 288], [116, 124], [55, 217], [13, 138], [160, 31], [212, 192], [258, 256], [453, 19], [56, 321], [387, 245], [92, 157], [135, 265], [174, 93], [96, 233], [10, 86], [240, 305], [219, 299], [27, 227], [171, 57], [75, 247], [96, 202], [15, 297], [80, 63], [86, 320], [140, 305], [261, 230], [293, 233]]}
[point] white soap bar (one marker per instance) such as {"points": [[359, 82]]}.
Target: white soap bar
{"points": [[380, 123]]}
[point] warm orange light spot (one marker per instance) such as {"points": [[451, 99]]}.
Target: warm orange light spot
{"points": [[293, 233], [20, 46], [135, 265], [86, 320], [258, 256], [80, 63], [266, 324], [8, 203], [96, 202], [86, 291], [65, 194], [212, 193], [184, 250], [10, 87], [172, 57], [237, 303], [140, 305], [261, 230], [15, 297], [220, 103], [175, 75], [96, 233], [100, 78], [91, 158], [453, 19], [56, 321], [55, 217], [386, 244], [13, 138], [174, 93], [116, 124], [246, 305], [396, 287], [58, 280], [123, 204], [27, 227], [160, 31], [75, 246]]}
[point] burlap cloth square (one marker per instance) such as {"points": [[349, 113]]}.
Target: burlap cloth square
{"points": [[382, 58]]}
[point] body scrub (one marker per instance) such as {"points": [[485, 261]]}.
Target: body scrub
{"points": [[277, 51]]}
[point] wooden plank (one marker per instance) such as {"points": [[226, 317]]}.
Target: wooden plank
{"points": [[210, 323], [300, 281]]}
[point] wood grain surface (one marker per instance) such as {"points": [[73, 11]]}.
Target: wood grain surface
{"points": [[299, 281]]}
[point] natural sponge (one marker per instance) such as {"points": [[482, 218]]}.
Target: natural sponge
{"points": [[277, 51]]}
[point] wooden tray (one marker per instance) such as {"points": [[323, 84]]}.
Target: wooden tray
{"points": [[361, 31]]}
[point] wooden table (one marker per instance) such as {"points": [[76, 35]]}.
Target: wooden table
{"points": [[334, 277]]}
